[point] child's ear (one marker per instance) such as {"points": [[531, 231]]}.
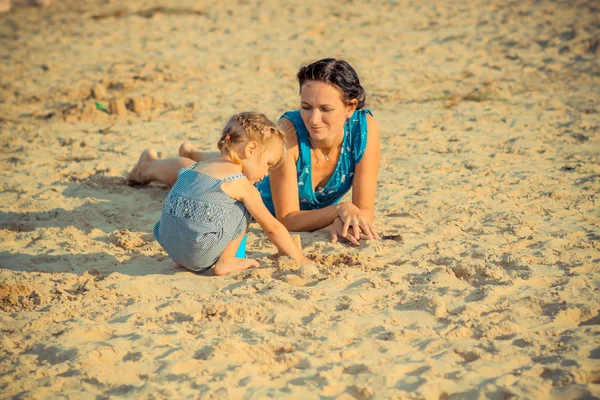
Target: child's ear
{"points": [[250, 148], [352, 104]]}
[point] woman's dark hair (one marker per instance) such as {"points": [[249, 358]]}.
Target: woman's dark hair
{"points": [[337, 73]]}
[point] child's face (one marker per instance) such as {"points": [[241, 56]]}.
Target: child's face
{"points": [[256, 167]]}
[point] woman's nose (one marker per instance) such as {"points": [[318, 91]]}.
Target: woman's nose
{"points": [[315, 118]]}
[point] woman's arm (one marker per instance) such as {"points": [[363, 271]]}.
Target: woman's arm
{"points": [[359, 215], [284, 188], [364, 185]]}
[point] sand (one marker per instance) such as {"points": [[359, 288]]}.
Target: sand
{"points": [[485, 284]]}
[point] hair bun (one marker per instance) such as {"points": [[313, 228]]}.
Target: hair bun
{"points": [[338, 73]]}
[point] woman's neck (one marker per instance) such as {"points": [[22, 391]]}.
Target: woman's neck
{"points": [[327, 144]]}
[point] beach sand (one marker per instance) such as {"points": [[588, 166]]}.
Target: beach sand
{"points": [[485, 284]]}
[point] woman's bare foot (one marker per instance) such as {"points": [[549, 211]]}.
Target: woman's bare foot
{"points": [[188, 150], [235, 264], [138, 175]]}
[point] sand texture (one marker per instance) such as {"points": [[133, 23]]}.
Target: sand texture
{"points": [[485, 284]]}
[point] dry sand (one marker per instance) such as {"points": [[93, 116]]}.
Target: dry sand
{"points": [[485, 285]]}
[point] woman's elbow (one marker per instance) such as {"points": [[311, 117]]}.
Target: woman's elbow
{"points": [[285, 221]]}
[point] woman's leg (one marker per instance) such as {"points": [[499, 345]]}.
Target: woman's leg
{"points": [[150, 168], [187, 150], [228, 262]]}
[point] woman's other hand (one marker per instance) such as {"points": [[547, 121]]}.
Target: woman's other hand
{"points": [[335, 231], [352, 216]]}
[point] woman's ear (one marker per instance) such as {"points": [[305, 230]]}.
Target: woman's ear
{"points": [[352, 104], [250, 148]]}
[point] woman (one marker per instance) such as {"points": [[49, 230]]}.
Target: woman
{"points": [[333, 145]]}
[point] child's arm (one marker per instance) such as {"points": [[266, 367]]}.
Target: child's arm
{"points": [[244, 191]]}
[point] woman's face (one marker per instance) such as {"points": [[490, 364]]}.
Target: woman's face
{"points": [[323, 110]]}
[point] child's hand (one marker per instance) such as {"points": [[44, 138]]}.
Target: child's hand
{"points": [[309, 270]]}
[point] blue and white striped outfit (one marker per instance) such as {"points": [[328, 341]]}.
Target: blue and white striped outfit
{"points": [[199, 220]]}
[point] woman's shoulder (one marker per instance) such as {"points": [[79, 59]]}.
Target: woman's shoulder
{"points": [[291, 115], [288, 126], [371, 121], [361, 121], [364, 113], [362, 126], [294, 118]]}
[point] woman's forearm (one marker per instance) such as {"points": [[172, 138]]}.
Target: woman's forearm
{"points": [[368, 213], [310, 220]]}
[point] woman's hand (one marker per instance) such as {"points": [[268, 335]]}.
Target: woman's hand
{"points": [[362, 228], [335, 231]]}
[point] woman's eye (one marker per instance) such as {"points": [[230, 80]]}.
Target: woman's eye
{"points": [[305, 107]]}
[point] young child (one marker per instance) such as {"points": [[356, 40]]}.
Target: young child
{"points": [[208, 210]]}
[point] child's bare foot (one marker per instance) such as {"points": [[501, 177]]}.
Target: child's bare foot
{"points": [[235, 264], [176, 266], [138, 175]]}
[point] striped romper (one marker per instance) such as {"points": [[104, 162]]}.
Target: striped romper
{"points": [[199, 220]]}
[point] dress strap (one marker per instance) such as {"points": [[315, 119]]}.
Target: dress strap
{"points": [[233, 177], [189, 168]]}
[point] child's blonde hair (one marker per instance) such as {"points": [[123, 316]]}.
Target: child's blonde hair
{"points": [[248, 126]]}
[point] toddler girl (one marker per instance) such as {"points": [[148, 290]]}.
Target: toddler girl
{"points": [[208, 210]]}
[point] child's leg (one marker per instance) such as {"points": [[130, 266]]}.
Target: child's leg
{"points": [[228, 263], [187, 150], [150, 168]]}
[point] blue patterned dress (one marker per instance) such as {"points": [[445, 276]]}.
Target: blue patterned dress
{"points": [[353, 149]]}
